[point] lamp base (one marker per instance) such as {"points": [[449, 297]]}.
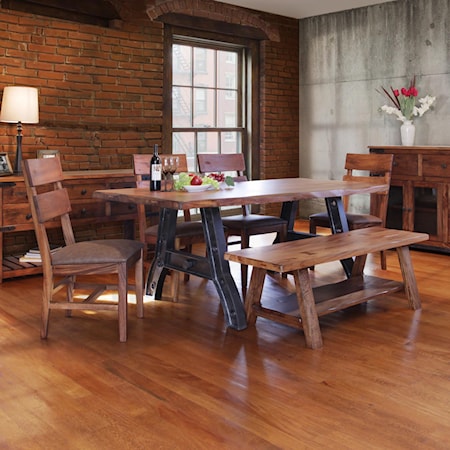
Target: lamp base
{"points": [[18, 161]]}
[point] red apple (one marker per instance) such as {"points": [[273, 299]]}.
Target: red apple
{"points": [[196, 180]]}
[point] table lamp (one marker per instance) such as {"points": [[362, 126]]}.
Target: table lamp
{"points": [[19, 105]]}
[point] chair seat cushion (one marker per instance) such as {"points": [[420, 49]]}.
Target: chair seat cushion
{"points": [[354, 220], [252, 220], [183, 229], [97, 252]]}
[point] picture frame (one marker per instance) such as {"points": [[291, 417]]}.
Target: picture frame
{"points": [[5, 165], [48, 153]]}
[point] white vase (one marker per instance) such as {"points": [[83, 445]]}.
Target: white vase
{"points": [[407, 132]]}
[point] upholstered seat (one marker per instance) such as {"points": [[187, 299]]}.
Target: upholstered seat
{"points": [[116, 251]]}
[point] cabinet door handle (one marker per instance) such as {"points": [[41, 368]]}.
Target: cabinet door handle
{"points": [[83, 192], [83, 211], [28, 216], [444, 166]]}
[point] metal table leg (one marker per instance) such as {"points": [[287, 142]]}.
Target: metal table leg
{"points": [[220, 269], [338, 223], [212, 267]]}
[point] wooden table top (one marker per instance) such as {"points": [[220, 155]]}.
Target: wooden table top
{"points": [[246, 192]]}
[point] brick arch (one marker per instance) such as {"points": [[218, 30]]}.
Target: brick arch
{"points": [[215, 11]]}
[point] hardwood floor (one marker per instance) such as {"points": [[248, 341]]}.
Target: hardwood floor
{"points": [[184, 381]]}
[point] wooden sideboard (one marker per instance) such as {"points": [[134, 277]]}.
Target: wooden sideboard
{"points": [[420, 192], [16, 215]]}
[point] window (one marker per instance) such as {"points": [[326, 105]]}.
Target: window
{"points": [[210, 97]]}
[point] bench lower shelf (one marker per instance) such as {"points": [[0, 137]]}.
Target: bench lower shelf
{"points": [[328, 298]]}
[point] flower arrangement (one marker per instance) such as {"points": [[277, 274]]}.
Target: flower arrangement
{"points": [[404, 102]]}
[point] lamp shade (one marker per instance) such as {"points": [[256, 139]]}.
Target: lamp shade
{"points": [[20, 104]]}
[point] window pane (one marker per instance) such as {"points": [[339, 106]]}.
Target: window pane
{"points": [[185, 143], [207, 142], [181, 62], [204, 107], [226, 109], [181, 107], [204, 67], [230, 142], [227, 70]]}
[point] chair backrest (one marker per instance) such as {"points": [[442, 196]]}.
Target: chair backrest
{"points": [[224, 163], [49, 201], [230, 163], [376, 168]]}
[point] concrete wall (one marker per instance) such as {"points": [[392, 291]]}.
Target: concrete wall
{"points": [[345, 57]]}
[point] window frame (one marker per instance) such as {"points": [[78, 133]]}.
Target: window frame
{"points": [[250, 86]]}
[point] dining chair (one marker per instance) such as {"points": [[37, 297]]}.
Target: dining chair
{"points": [[188, 232], [246, 224], [50, 206], [373, 168]]}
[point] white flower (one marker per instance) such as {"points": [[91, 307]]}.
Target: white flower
{"points": [[391, 110], [425, 104]]}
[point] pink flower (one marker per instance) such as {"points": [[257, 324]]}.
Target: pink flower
{"points": [[405, 92], [413, 91], [396, 92]]}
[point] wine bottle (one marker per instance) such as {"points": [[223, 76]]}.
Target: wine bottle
{"points": [[155, 170]]}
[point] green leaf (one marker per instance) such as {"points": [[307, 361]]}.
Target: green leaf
{"points": [[229, 181]]}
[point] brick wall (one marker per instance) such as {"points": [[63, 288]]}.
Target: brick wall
{"points": [[101, 88]]}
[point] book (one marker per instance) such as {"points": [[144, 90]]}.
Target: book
{"points": [[34, 256]]}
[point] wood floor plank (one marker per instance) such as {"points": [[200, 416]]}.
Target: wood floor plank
{"points": [[185, 381]]}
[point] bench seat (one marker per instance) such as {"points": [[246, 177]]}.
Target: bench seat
{"points": [[296, 257]]}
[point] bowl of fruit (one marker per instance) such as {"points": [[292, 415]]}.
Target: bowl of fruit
{"points": [[192, 182]]}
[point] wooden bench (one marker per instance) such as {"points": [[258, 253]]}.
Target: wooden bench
{"points": [[297, 256]]}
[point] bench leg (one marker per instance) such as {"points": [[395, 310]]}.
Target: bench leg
{"points": [[254, 293], [409, 279], [308, 313], [358, 265]]}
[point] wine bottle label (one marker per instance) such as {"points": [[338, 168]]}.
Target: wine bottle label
{"points": [[156, 172]]}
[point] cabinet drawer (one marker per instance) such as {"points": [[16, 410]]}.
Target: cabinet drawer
{"points": [[436, 166], [405, 165], [89, 209], [15, 194], [118, 208], [79, 191], [18, 216]]}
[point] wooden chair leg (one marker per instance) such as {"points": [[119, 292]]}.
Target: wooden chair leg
{"points": [[47, 293], [123, 302], [139, 287], [175, 285], [383, 260]]}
